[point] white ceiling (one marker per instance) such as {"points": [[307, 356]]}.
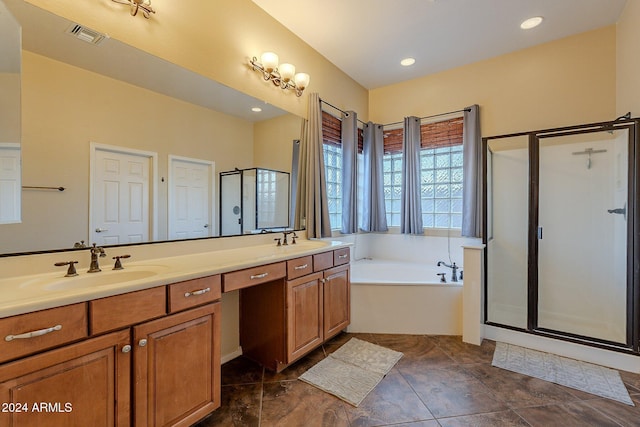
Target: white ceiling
{"points": [[367, 38]]}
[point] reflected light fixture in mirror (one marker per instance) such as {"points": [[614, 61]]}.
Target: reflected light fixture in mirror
{"points": [[137, 5], [283, 75]]}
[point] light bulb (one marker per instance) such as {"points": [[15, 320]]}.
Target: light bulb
{"points": [[287, 71], [301, 80], [269, 61]]}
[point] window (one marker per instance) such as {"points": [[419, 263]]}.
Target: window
{"points": [[333, 176], [392, 182], [440, 174], [332, 150], [441, 187]]}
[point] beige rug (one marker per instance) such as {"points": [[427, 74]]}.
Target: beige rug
{"points": [[352, 371], [587, 377]]}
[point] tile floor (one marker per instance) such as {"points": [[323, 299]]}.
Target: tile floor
{"points": [[440, 381]]}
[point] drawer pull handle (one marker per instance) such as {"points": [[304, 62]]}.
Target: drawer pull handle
{"points": [[301, 267], [342, 256], [259, 276], [33, 333], [200, 292]]}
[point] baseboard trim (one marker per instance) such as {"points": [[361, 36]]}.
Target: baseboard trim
{"points": [[228, 357]]}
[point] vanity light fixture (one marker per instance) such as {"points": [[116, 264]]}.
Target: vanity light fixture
{"points": [[283, 75], [138, 5]]}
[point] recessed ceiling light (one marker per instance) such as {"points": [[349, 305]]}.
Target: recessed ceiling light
{"points": [[530, 23], [407, 62], [256, 109]]}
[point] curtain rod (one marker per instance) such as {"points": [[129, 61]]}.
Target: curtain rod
{"points": [[334, 107], [428, 117]]}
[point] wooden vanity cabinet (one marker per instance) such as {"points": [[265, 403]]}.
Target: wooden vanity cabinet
{"points": [[153, 359], [177, 367], [304, 315], [336, 300], [83, 384], [283, 320]]}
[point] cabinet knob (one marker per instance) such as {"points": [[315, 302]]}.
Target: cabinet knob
{"points": [[126, 348], [142, 342]]}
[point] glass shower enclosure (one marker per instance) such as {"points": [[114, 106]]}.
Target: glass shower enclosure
{"points": [[253, 200], [561, 225]]}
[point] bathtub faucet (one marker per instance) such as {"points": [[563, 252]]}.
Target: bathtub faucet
{"points": [[454, 270]]}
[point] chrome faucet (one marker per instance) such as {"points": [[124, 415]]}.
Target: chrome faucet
{"points": [[94, 267], [454, 270]]}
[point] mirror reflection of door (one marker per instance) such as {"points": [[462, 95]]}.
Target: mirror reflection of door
{"points": [[10, 187], [120, 196], [190, 197]]}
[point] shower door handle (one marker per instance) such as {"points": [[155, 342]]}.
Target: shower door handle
{"points": [[539, 233], [620, 211]]}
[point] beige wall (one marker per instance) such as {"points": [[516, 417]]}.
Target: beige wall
{"points": [[216, 38], [65, 108], [9, 107], [272, 147], [628, 60], [565, 82]]}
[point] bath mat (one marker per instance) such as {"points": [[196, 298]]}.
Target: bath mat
{"points": [[352, 371], [587, 377]]}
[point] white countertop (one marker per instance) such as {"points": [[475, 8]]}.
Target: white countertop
{"points": [[23, 294]]}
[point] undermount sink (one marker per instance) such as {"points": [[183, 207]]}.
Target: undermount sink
{"points": [[92, 280]]}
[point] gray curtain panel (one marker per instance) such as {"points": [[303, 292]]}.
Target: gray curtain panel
{"points": [[472, 171], [312, 159], [411, 209], [374, 216], [349, 173], [300, 213]]}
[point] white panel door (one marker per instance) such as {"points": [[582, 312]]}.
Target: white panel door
{"points": [[10, 186], [190, 197], [121, 198]]}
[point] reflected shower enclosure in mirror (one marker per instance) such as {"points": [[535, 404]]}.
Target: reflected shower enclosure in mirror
{"points": [[10, 117], [253, 200], [73, 93]]}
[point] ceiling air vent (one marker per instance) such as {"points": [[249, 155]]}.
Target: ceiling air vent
{"points": [[86, 34]]}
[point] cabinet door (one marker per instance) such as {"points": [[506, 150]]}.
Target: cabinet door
{"points": [[304, 315], [337, 300], [84, 384], [177, 367]]}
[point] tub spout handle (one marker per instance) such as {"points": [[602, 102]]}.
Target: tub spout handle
{"points": [[442, 278]]}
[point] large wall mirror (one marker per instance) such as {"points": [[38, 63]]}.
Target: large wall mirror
{"points": [[10, 65], [116, 142]]}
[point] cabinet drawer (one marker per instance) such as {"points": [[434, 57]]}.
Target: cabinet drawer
{"points": [[194, 292], [253, 276], [341, 256], [322, 261], [49, 328], [299, 267], [118, 311]]}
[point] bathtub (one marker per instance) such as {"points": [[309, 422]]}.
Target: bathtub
{"points": [[395, 288], [394, 297]]}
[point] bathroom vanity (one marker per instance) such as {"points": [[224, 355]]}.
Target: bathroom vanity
{"points": [[146, 351]]}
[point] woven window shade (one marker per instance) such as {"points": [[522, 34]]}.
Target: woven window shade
{"points": [[332, 131], [445, 133]]}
